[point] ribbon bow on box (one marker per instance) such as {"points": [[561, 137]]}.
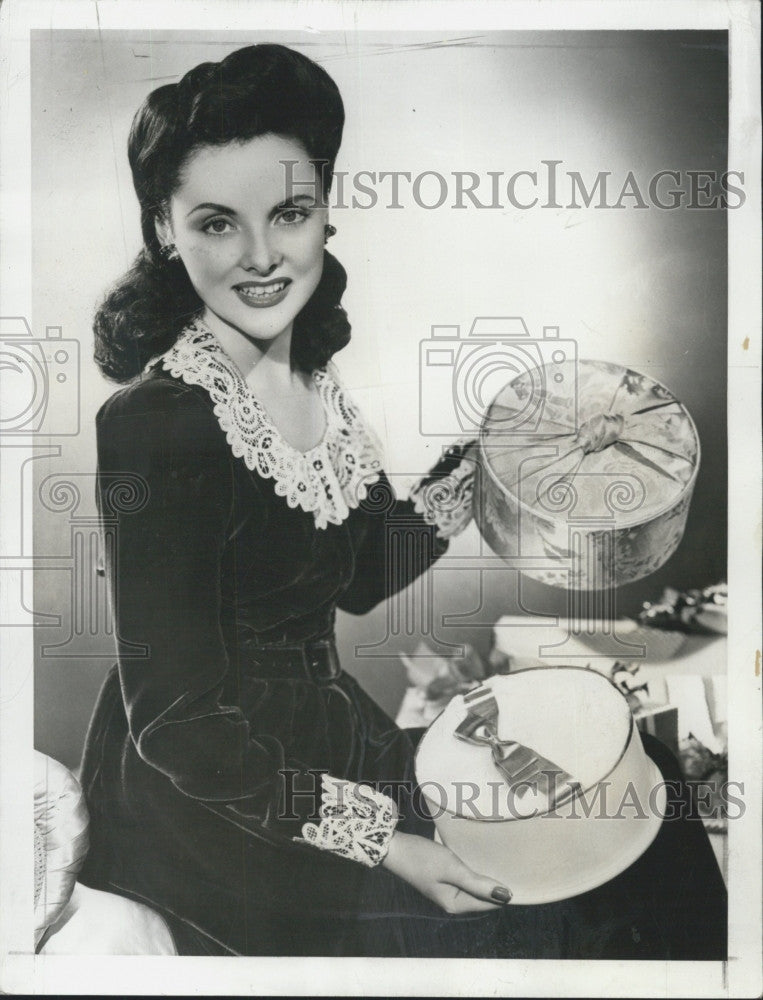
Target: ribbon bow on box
{"points": [[521, 766]]}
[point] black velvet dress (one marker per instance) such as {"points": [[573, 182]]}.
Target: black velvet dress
{"points": [[227, 699]]}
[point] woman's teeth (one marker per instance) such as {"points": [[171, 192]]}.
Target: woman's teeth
{"points": [[260, 292]]}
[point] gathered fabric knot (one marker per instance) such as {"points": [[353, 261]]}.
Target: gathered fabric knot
{"points": [[599, 432], [521, 767]]}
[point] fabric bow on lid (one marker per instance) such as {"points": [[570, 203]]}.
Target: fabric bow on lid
{"points": [[617, 423], [522, 767]]}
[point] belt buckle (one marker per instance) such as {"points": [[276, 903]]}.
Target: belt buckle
{"points": [[322, 660]]}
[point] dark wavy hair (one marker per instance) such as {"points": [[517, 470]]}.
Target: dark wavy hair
{"points": [[255, 91]]}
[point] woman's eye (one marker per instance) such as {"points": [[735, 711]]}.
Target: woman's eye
{"points": [[217, 227], [292, 216]]}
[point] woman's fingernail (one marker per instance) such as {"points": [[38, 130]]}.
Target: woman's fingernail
{"points": [[500, 895]]}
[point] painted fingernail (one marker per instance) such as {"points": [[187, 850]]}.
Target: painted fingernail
{"points": [[500, 895]]}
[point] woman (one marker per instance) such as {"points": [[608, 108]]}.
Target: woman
{"points": [[250, 503], [263, 508]]}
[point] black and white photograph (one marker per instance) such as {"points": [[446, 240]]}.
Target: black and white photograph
{"points": [[381, 522]]}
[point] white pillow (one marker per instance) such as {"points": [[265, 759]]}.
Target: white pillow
{"points": [[102, 923], [72, 919], [61, 839]]}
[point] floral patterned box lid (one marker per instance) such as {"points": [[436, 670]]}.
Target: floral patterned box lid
{"points": [[587, 469]]}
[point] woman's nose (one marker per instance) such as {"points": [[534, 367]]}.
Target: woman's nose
{"points": [[261, 256]]}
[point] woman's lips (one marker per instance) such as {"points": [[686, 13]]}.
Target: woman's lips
{"points": [[262, 294]]}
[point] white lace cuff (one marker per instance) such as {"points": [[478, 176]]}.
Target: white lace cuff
{"points": [[357, 822], [444, 496]]}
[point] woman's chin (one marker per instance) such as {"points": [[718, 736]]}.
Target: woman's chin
{"points": [[262, 331]]}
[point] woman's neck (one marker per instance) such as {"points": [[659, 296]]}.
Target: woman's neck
{"points": [[272, 358]]}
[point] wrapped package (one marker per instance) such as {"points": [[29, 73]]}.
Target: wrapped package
{"points": [[587, 472]]}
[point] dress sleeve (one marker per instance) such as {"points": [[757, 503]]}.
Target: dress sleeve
{"points": [[398, 539]]}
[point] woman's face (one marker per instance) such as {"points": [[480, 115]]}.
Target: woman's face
{"points": [[251, 241]]}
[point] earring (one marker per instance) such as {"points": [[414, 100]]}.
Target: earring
{"points": [[169, 252], [328, 232]]}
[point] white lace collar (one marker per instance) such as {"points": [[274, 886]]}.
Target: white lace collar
{"points": [[328, 480]]}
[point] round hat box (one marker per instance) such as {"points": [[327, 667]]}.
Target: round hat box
{"points": [[587, 472], [575, 801]]}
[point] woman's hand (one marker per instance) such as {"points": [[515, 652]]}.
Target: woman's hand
{"points": [[439, 875]]}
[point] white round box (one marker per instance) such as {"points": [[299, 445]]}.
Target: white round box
{"points": [[574, 721]]}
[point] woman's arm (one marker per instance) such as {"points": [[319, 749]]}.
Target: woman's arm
{"points": [[436, 872], [359, 823], [397, 540]]}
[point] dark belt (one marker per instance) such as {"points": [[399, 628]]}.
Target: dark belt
{"points": [[315, 659]]}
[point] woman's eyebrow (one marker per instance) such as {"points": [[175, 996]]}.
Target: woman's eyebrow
{"points": [[211, 205], [294, 202]]}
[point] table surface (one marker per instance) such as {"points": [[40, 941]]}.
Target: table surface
{"points": [[537, 642]]}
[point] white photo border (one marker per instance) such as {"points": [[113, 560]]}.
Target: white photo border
{"points": [[23, 972]]}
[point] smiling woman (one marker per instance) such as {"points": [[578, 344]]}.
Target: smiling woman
{"points": [[213, 163], [265, 509], [254, 259]]}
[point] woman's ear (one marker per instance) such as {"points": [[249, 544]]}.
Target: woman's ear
{"points": [[163, 231]]}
